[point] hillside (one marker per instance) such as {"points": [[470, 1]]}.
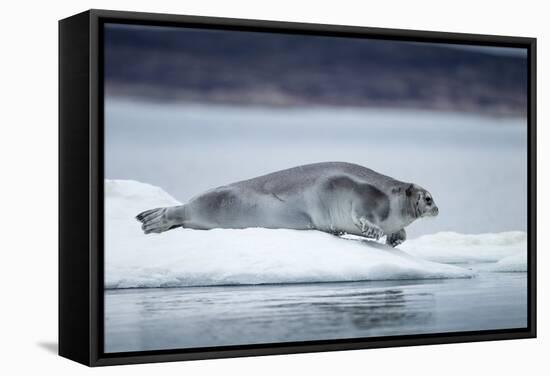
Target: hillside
{"points": [[287, 70]]}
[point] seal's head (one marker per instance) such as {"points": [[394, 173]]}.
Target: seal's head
{"points": [[421, 202]]}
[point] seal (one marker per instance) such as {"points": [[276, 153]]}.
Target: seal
{"points": [[333, 197]]}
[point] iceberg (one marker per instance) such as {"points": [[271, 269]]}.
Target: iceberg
{"points": [[513, 263], [507, 250], [186, 257]]}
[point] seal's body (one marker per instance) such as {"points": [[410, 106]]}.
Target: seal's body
{"points": [[333, 197]]}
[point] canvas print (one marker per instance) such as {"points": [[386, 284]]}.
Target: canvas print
{"points": [[265, 188]]}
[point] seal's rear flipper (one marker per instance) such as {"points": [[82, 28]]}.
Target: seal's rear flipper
{"points": [[155, 220], [143, 215]]}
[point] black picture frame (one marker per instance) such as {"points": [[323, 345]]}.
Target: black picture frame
{"points": [[81, 188]]}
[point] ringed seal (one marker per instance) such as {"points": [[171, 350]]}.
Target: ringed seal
{"points": [[334, 197]]}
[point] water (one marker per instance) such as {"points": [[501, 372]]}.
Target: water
{"points": [[154, 319]]}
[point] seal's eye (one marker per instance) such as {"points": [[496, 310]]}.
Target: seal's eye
{"points": [[428, 200]]}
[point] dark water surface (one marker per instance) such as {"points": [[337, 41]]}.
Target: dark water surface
{"points": [[154, 319]]}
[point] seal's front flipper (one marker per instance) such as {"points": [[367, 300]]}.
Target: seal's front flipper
{"points": [[373, 233], [369, 229], [396, 238], [156, 221]]}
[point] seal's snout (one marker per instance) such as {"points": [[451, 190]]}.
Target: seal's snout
{"points": [[430, 211]]}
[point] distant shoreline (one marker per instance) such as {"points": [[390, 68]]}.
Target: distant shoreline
{"points": [[149, 95]]}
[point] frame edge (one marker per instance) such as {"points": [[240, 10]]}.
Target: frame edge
{"points": [[74, 248]]}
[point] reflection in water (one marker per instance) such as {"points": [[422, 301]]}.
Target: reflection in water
{"points": [[365, 310], [148, 319], [384, 308]]}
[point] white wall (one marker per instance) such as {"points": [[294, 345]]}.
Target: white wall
{"points": [[28, 188]]}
